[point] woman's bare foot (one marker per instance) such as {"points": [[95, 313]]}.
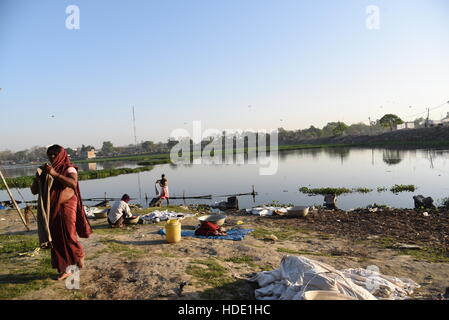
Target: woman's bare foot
{"points": [[64, 275], [80, 263]]}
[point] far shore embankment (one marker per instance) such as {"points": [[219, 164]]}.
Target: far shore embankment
{"points": [[435, 137]]}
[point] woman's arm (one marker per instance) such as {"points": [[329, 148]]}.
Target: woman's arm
{"points": [[34, 187], [71, 181]]}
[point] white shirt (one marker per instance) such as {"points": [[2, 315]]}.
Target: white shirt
{"points": [[118, 209]]}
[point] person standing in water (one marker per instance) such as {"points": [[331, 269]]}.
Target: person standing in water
{"points": [[163, 183]]}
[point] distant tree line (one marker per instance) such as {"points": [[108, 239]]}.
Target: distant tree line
{"points": [[387, 123], [39, 154]]}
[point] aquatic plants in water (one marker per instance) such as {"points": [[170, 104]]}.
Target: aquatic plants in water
{"points": [[402, 188], [324, 191], [339, 191], [363, 190]]}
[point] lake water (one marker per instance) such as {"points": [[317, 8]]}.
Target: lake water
{"points": [[314, 168]]}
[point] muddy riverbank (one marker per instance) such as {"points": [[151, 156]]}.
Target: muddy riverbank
{"points": [[137, 262]]}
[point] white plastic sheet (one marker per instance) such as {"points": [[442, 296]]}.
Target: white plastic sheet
{"points": [[297, 275], [267, 210], [164, 215]]}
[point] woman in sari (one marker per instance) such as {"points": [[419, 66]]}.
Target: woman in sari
{"points": [[67, 219]]}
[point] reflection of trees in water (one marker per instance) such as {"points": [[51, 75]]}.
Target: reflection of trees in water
{"points": [[392, 157], [438, 153], [308, 152], [341, 153], [112, 164]]}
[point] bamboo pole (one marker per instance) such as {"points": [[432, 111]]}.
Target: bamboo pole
{"points": [[193, 197], [14, 201]]}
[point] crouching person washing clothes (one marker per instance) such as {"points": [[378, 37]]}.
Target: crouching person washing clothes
{"points": [[120, 213]]}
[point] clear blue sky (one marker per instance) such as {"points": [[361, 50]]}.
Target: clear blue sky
{"points": [[303, 61]]}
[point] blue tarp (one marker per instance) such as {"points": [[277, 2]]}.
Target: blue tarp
{"points": [[2, 208], [233, 234]]}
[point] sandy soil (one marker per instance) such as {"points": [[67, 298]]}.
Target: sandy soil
{"points": [[137, 263]]}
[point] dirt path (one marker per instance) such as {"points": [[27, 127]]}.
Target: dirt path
{"points": [[137, 263]]}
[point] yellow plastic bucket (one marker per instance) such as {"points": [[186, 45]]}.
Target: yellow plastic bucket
{"points": [[173, 231]]}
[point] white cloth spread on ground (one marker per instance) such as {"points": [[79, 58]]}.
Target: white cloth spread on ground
{"points": [[297, 275], [164, 215], [91, 211], [382, 286], [267, 210]]}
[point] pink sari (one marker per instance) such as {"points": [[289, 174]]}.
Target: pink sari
{"points": [[67, 220]]}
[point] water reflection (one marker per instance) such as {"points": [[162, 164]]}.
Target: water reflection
{"points": [[340, 153], [333, 167], [392, 157]]}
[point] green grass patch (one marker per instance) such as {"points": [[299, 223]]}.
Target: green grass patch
{"points": [[124, 250], [209, 272], [386, 242], [425, 253], [234, 290], [242, 260], [20, 275], [105, 229], [434, 255], [284, 234], [266, 267]]}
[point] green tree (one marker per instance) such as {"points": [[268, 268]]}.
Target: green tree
{"points": [[419, 123], [86, 148], [148, 146], [339, 129], [390, 121], [107, 147]]}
